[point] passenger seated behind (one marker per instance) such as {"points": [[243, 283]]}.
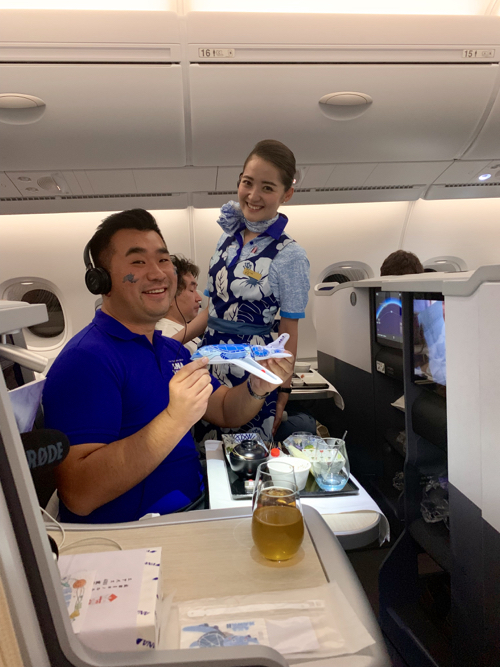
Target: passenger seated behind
{"points": [[126, 396], [400, 263], [186, 303]]}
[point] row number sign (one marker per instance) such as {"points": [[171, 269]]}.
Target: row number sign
{"points": [[215, 53], [478, 53]]}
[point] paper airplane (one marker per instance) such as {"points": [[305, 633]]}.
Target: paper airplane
{"points": [[245, 356]]}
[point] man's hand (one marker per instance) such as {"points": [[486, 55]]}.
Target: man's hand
{"points": [[283, 368], [190, 389]]}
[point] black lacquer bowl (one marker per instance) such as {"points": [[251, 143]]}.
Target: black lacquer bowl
{"points": [[246, 456]]}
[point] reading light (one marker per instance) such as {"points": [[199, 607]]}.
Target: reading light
{"points": [[484, 177], [345, 267], [26, 283]]}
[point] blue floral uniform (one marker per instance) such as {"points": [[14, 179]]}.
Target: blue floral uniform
{"points": [[248, 284]]}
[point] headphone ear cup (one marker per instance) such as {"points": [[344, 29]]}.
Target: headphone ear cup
{"points": [[98, 281]]}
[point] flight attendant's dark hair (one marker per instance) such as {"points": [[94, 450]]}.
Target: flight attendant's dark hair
{"points": [[280, 156], [100, 243]]}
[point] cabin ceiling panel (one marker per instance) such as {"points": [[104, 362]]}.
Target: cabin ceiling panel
{"points": [[316, 175], [461, 171], [402, 173], [487, 144], [7, 187], [349, 175], [413, 116], [112, 182], [227, 177], [96, 117], [188, 179]]}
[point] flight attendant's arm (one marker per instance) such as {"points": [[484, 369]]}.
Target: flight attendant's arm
{"points": [[195, 328]]}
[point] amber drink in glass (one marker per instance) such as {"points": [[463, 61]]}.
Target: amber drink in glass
{"points": [[277, 522]]}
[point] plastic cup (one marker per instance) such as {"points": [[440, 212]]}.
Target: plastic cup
{"points": [[331, 465]]}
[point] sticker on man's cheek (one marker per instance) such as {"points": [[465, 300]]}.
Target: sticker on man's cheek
{"points": [[130, 278]]}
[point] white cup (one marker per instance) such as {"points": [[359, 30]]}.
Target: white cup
{"points": [[301, 468]]}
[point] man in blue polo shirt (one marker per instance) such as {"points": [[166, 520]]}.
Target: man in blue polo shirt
{"points": [[127, 396]]}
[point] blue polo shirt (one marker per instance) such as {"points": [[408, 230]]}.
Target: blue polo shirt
{"points": [[108, 383]]}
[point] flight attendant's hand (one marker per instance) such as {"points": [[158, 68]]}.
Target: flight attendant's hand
{"points": [[283, 368]]}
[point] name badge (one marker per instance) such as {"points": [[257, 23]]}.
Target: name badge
{"points": [[252, 274]]}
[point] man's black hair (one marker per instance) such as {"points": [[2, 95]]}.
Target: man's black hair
{"points": [[100, 243]]}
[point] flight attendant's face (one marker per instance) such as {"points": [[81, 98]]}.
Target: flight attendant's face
{"points": [[261, 191]]}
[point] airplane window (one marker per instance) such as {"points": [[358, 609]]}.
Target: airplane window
{"points": [[343, 272], [47, 334], [55, 324], [336, 278], [445, 263]]}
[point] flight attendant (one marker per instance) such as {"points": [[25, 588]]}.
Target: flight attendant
{"points": [[257, 272]]}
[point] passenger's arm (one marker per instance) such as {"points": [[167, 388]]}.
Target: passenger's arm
{"points": [[195, 328], [233, 407], [291, 327], [95, 473]]}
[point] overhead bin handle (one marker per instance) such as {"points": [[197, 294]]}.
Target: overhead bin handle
{"points": [[345, 105], [20, 109]]}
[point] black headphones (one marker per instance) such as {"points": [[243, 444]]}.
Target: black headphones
{"points": [[98, 280]]}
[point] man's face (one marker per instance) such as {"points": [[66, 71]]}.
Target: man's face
{"points": [[143, 278], [189, 300]]}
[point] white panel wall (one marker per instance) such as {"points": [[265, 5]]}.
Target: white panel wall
{"points": [[466, 228], [464, 395], [473, 397]]}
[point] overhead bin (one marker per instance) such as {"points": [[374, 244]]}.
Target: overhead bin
{"points": [[96, 117], [278, 37], [54, 35], [419, 112]]}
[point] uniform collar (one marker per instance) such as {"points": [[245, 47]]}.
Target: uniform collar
{"points": [[278, 227], [275, 230]]}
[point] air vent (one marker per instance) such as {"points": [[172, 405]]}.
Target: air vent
{"points": [[80, 197], [471, 185], [359, 188], [223, 192]]}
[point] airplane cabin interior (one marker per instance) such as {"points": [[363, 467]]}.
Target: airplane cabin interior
{"points": [[393, 115]]}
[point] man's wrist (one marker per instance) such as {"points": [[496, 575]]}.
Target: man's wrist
{"points": [[259, 397]]}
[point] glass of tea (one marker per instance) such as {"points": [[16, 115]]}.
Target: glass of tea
{"points": [[277, 522]]}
